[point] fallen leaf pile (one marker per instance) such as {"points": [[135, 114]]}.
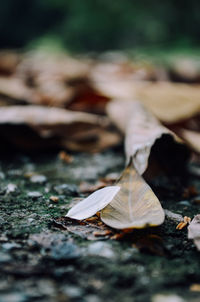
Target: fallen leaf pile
{"points": [[131, 203], [81, 104]]}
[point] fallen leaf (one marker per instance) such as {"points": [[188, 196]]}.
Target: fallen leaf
{"points": [[65, 157], [16, 91], [185, 69], [182, 224], [102, 233], [134, 206], [195, 287], [86, 187], [194, 230], [170, 102], [142, 132], [46, 116], [120, 79], [29, 126], [50, 76], [84, 229]]}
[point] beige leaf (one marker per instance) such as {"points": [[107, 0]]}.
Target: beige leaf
{"points": [[40, 115], [170, 102], [134, 206], [68, 129], [14, 88]]}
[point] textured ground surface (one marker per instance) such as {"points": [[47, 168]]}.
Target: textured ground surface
{"points": [[41, 262]]}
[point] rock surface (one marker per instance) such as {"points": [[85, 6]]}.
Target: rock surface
{"points": [[43, 261]]}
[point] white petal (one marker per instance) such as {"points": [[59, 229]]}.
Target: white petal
{"points": [[93, 203]]}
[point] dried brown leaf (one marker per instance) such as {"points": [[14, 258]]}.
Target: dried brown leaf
{"points": [[69, 129], [51, 76], [14, 89], [170, 102], [134, 206], [89, 230], [143, 131]]}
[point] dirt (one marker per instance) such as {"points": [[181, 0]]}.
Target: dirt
{"points": [[40, 261]]}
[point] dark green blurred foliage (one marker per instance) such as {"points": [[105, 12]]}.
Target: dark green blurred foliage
{"points": [[87, 25]]}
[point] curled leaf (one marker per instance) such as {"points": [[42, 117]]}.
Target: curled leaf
{"points": [[135, 205], [93, 203], [142, 132]]}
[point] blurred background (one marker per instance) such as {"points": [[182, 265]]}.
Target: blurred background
{"points": [[99, 25], [79, 55]]}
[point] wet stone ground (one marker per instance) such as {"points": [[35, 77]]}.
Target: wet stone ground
{"points": [[40, 261]]}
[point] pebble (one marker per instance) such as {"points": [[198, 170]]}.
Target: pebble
{"points": [[185, 203], [2, 221], [47, 190], [173, 216], [14, 172], [45, 288], [38, 179], [128, 254], [64, 251], [72, 291], [167, 298], [4, 258], [66, 189], [30, 220], [13, 297], [10, 245], [54, 198], [102, 249], [34, 195], [11, 188], [2, 175], [92, 298]]}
